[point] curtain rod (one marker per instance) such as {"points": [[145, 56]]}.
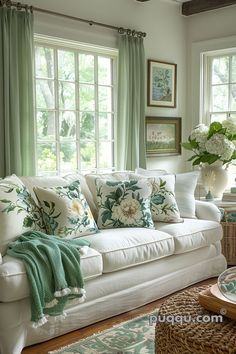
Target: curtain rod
{"points": [[121, 30]]}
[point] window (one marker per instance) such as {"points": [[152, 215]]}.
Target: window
{"points": [[219, 90], [219, 94], [74, 107]]}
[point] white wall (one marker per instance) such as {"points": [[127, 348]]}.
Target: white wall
{"points": [[165, 41]]}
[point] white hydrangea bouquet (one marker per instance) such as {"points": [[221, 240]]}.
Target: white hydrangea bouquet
{"points": [[214, 143]]}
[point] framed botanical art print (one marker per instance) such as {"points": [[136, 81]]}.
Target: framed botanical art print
{"points": [[163, 136], [161, 84]]}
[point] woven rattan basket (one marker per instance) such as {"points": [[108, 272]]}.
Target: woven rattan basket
{"points": [[193, 337], [229, 242]]}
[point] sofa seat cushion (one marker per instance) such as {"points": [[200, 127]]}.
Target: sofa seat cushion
{"points": [[192, 234], [127, 247], [13, 278]]}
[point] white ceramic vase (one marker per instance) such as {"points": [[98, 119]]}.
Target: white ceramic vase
{"points": [[214, 178]]}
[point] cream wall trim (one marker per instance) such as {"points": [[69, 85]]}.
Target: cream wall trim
{"points": [[197, 53]]}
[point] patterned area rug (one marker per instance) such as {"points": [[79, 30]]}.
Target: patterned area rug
{"points": [[135, 336]]}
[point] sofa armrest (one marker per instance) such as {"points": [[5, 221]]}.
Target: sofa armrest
{"points": [[207, 211]]}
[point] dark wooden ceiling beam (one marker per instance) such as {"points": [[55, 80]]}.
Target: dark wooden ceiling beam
{"points": [[197, 6]]}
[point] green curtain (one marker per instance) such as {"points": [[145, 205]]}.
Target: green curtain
{"points": [[17, 149], [130, 124]]}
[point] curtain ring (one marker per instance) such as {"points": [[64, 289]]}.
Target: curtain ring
{"points": [[18, 6], [121, 30], [134, 33], [129, 32], [8, 3]]}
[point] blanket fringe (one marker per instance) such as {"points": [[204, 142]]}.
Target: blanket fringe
{"points": [[62, 292], [51, 303], [56, 318], [76, 290], [40, 322]]}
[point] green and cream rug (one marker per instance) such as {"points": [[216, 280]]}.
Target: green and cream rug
{"points": [[135, 336]]}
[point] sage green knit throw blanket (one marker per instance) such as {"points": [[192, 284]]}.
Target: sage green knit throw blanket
{"points": [[53, 269]]}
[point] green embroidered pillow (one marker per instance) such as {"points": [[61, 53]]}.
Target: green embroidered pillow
{"points": [[124, 204], [18, 211], [65, 211], [163, 204]]}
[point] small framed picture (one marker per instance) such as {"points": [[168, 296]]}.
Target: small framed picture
{"points": [[162, 79], [163, 136]]}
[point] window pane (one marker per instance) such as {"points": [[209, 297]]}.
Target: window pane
{"points": [[87, 126], [68, 160], [67, 125], [88, 156], [105, 154], [46, 125], [233, 69], [219, 98], [86, 68], [104, 94], [46, 154], [45, 94], [220, 70], [232, 115], [218, 117], [66, 95], [105, 126], [66, 65], [233, 97], [44, 62], [104, 71], [86, 94]]}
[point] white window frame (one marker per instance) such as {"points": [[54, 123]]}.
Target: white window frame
{"points": [[57, 43], [206, 86]]}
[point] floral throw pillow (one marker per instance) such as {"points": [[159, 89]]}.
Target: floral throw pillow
{"points": [[124, 204], [18, 211], [163, 204], [65, 211]]}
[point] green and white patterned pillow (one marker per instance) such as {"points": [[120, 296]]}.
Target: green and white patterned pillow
{"points": [[164, 207], [124, 203], [65, 211], [18, 211]]}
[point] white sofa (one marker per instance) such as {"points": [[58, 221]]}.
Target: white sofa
{"points": [[124, 268]]}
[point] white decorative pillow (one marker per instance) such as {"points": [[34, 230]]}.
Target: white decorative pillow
{"points": [[185, 186], [18, 211], [65, 211], [124, 203]]}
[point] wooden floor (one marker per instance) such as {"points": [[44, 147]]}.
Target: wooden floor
{"points": [[56, 343]]}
